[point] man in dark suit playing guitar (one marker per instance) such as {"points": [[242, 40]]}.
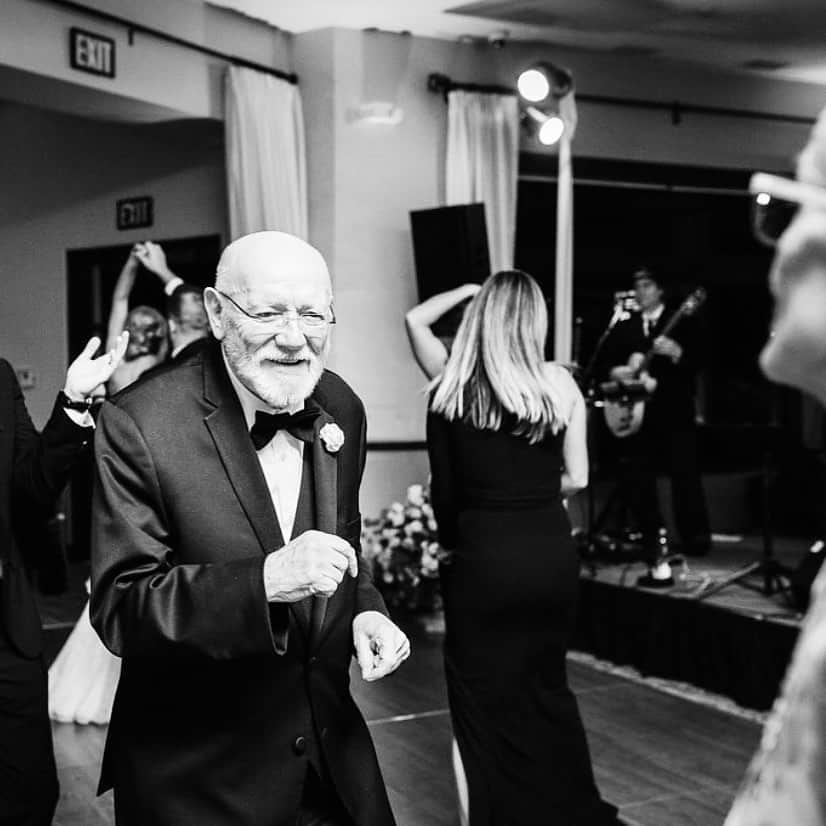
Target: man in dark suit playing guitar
{"points": [[660, 352]]}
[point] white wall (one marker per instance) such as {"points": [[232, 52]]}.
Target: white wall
{"points": [[154, 79]]}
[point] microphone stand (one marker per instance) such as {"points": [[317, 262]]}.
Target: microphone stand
{"points": [[586, 379], [586, 383]]}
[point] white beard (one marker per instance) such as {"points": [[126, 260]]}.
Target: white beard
{"points": [[278, 392]]}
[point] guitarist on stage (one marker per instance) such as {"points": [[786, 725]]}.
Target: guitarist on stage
{"points": [[666, 440]]}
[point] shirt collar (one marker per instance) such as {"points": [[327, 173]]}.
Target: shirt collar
{"points": [[250, 403], [654, 315]]}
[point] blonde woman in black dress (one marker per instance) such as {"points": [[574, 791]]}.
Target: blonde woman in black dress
{"points": [[507, 441]]}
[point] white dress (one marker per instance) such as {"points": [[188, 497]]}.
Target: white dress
{"points": [[83, 678]]}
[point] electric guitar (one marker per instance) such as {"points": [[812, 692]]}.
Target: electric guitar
{"points": [[625, 396]]}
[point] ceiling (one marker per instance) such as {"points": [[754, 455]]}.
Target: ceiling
{"points": [[784, 38]]}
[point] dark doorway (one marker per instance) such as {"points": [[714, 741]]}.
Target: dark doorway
{"points": [[90, 280]]}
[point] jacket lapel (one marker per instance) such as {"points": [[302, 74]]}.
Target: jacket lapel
{"points": [[325, 482], [228, 429]]}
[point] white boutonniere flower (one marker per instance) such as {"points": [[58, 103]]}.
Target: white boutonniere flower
{"points": [[332, 436]]}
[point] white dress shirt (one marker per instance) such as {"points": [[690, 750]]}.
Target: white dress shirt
{"points": [[281, 459], [650, 318]]}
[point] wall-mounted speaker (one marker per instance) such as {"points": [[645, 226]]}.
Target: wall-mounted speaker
{"points": [[450, 247]]}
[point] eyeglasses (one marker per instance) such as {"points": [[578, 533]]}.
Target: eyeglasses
{"points": [[275, 321], [776, 201]]}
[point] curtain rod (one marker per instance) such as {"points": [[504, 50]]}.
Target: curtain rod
{"points": [[443, 84], [131, 28]]}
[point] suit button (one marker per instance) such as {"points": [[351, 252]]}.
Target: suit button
{"points": [[324, 732], [300, 745], [313, 660]]}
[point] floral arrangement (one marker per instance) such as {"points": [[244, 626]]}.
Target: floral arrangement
{"points": [[402, 548]]}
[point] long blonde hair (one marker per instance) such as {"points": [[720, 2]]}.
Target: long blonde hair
{"points": [[496, 364]]}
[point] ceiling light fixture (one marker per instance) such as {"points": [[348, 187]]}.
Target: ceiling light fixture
{"points": [[551, 126], [545, 83], [542, 80]]}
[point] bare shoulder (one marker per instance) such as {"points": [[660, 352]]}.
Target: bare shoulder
{"points": [[561, 376], [563, 382]]}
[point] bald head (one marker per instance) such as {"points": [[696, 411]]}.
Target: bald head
{"points": [[271, 309], [267, 258]]}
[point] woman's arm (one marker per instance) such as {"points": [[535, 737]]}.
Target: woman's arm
{"points": [[152, 256], [442, 493], [428, 350], [120, 299], [575, 443]]}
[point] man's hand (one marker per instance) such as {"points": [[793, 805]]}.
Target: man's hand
{"points": [[381, 646], [153, 257], [313, 563], [86, 373], [665, 346]]}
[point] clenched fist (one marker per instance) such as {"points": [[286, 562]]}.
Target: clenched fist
{"points": [[313, 563]]}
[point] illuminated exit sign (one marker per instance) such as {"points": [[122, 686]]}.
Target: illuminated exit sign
{"points": [[92, 53]]}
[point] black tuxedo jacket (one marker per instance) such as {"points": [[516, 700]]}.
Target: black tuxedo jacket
{"points": [[222, 695], [673, 400], [33, 470]]}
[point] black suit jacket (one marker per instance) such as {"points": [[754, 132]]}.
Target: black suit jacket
{"points": [[33, 470], [217, 685], [673, 400]]}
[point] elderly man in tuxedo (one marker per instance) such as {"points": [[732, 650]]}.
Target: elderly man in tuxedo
{"points": [[226, 569], [33, 470]]}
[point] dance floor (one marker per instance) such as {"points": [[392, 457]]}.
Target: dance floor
{"points": [[664, 759]]}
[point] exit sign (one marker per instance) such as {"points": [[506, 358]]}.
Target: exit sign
{"points": [[134, 213], [92, 53]]}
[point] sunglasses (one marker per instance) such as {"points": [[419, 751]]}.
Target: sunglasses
{"points": [[775, 202]]}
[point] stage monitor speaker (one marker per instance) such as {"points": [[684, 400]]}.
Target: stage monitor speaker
{"points": [[450, 247]]}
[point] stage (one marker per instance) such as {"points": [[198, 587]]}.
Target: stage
{"points": [[736, 642]]}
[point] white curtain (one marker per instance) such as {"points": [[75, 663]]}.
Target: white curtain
{"points": [[266, 155], [564, 294], [482, 164]]}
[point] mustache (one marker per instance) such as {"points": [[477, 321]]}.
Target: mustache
{"points": [[277, 356]]}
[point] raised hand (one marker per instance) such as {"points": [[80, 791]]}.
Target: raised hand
{"points": [[153, 257], [381, 646], [85, 373], [313, 563]]}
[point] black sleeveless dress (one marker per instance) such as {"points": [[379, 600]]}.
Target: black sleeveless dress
{"points": [[510, 599]]}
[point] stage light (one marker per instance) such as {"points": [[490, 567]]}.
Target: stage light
{"points": [[552, 130], [533, 85], [551, 126], [543, 80]]}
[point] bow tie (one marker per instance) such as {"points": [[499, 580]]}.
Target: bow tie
{"points": [[298, 424]]}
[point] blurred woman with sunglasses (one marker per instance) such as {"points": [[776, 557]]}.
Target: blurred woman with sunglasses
{"points": [[506, 439]]}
